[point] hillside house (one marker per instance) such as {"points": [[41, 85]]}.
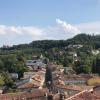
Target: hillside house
{"points": [[34, 62], [34, 57], [94, 52], [78, 46], [14, 75], [74, 54]]}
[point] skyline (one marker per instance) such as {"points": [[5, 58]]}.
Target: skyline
{"points": [[25, 21]]}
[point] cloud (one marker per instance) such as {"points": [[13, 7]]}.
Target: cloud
{"points": [[67, 28], [89, 28], [62, 30], [33, 31]]}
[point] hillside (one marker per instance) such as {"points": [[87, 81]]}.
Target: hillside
{"points": [[89, 42]]}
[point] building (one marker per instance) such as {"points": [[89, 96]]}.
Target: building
{"points": [[78, 46], [34, 82], [74, 54], [30, 95], [72, 88], [29, 74], [14, 75], [94, 52], [90, 79], [34, 62], [34, 57], [83, 95]]}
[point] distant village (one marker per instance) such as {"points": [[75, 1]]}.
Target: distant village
{"points": [[48, 81]]}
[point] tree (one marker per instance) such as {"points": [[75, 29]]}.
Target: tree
{"points": [[70, 59], [1, 80], [21, 71], [10, 90], [1, 65], [94, 70], [65, 72], [65, 62], [6, 77], [83, 69]]}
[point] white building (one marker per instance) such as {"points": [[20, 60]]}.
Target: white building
{"points": [[74, 54]]}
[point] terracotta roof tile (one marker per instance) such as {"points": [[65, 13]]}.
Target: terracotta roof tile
{"points": [[74, 87], [29, 84], [83, 96], [37, 77], [18, 96]]}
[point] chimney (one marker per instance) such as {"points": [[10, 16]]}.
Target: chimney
{"points": [[30, 90], [74, 86], [50, 97], [45, 95], [58, 91], [61, 96], [13, 98]]}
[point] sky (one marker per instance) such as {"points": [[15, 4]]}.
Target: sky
{"points": [[24, 21]]}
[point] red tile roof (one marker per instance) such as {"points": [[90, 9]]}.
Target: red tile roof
{"points": [[37, 77], [83, 96], [29, 84], [74, 87], [18, 96]]}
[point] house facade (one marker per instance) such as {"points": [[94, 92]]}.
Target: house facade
{"points": [[74, 54], [90, 80]]}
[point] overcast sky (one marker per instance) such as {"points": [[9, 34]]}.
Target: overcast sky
{"points": [[23, 21]]}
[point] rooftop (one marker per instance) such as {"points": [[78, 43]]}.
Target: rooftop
{"points": [[40, 72], [74, 87], [18, 96], [29, 84]]}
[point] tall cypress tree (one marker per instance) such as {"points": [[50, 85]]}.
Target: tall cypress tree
{"points": [[94, 67], [98, 65]]}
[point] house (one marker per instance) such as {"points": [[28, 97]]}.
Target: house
{"points": [[34, 57], [34, 82], [69, 79], [34, 62], [14, 75], [90, 79], [31, 85], [30, 95], [56, 72], [30, 68], [74, 54], [72, 88], [83, 95], [76, 59], [69, 70], [28, 74], [78, 46], [95, 52], [57, 82]]}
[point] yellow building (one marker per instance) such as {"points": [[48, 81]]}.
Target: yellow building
{"points": [[90, 80]]}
